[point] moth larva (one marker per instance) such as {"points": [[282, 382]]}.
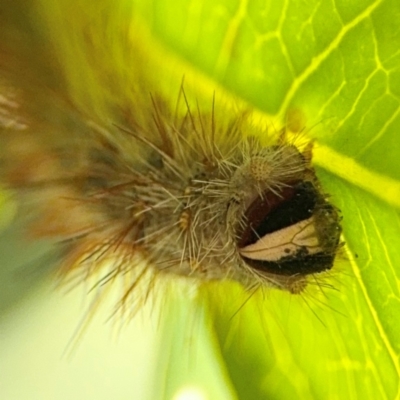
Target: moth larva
{"points": [[189, 195]]}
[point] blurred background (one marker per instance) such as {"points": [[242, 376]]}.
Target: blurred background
{"points": [[41, 358]]}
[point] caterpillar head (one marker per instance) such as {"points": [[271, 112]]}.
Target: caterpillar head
{"points": [[284, 227]]}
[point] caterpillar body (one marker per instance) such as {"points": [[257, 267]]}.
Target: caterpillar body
{"points": [[188, 195]]}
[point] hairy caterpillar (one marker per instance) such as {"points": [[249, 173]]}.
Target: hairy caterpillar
{"points": [[187, 202]]}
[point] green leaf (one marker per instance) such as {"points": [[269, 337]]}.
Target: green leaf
{"points": [[339, 64]]}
